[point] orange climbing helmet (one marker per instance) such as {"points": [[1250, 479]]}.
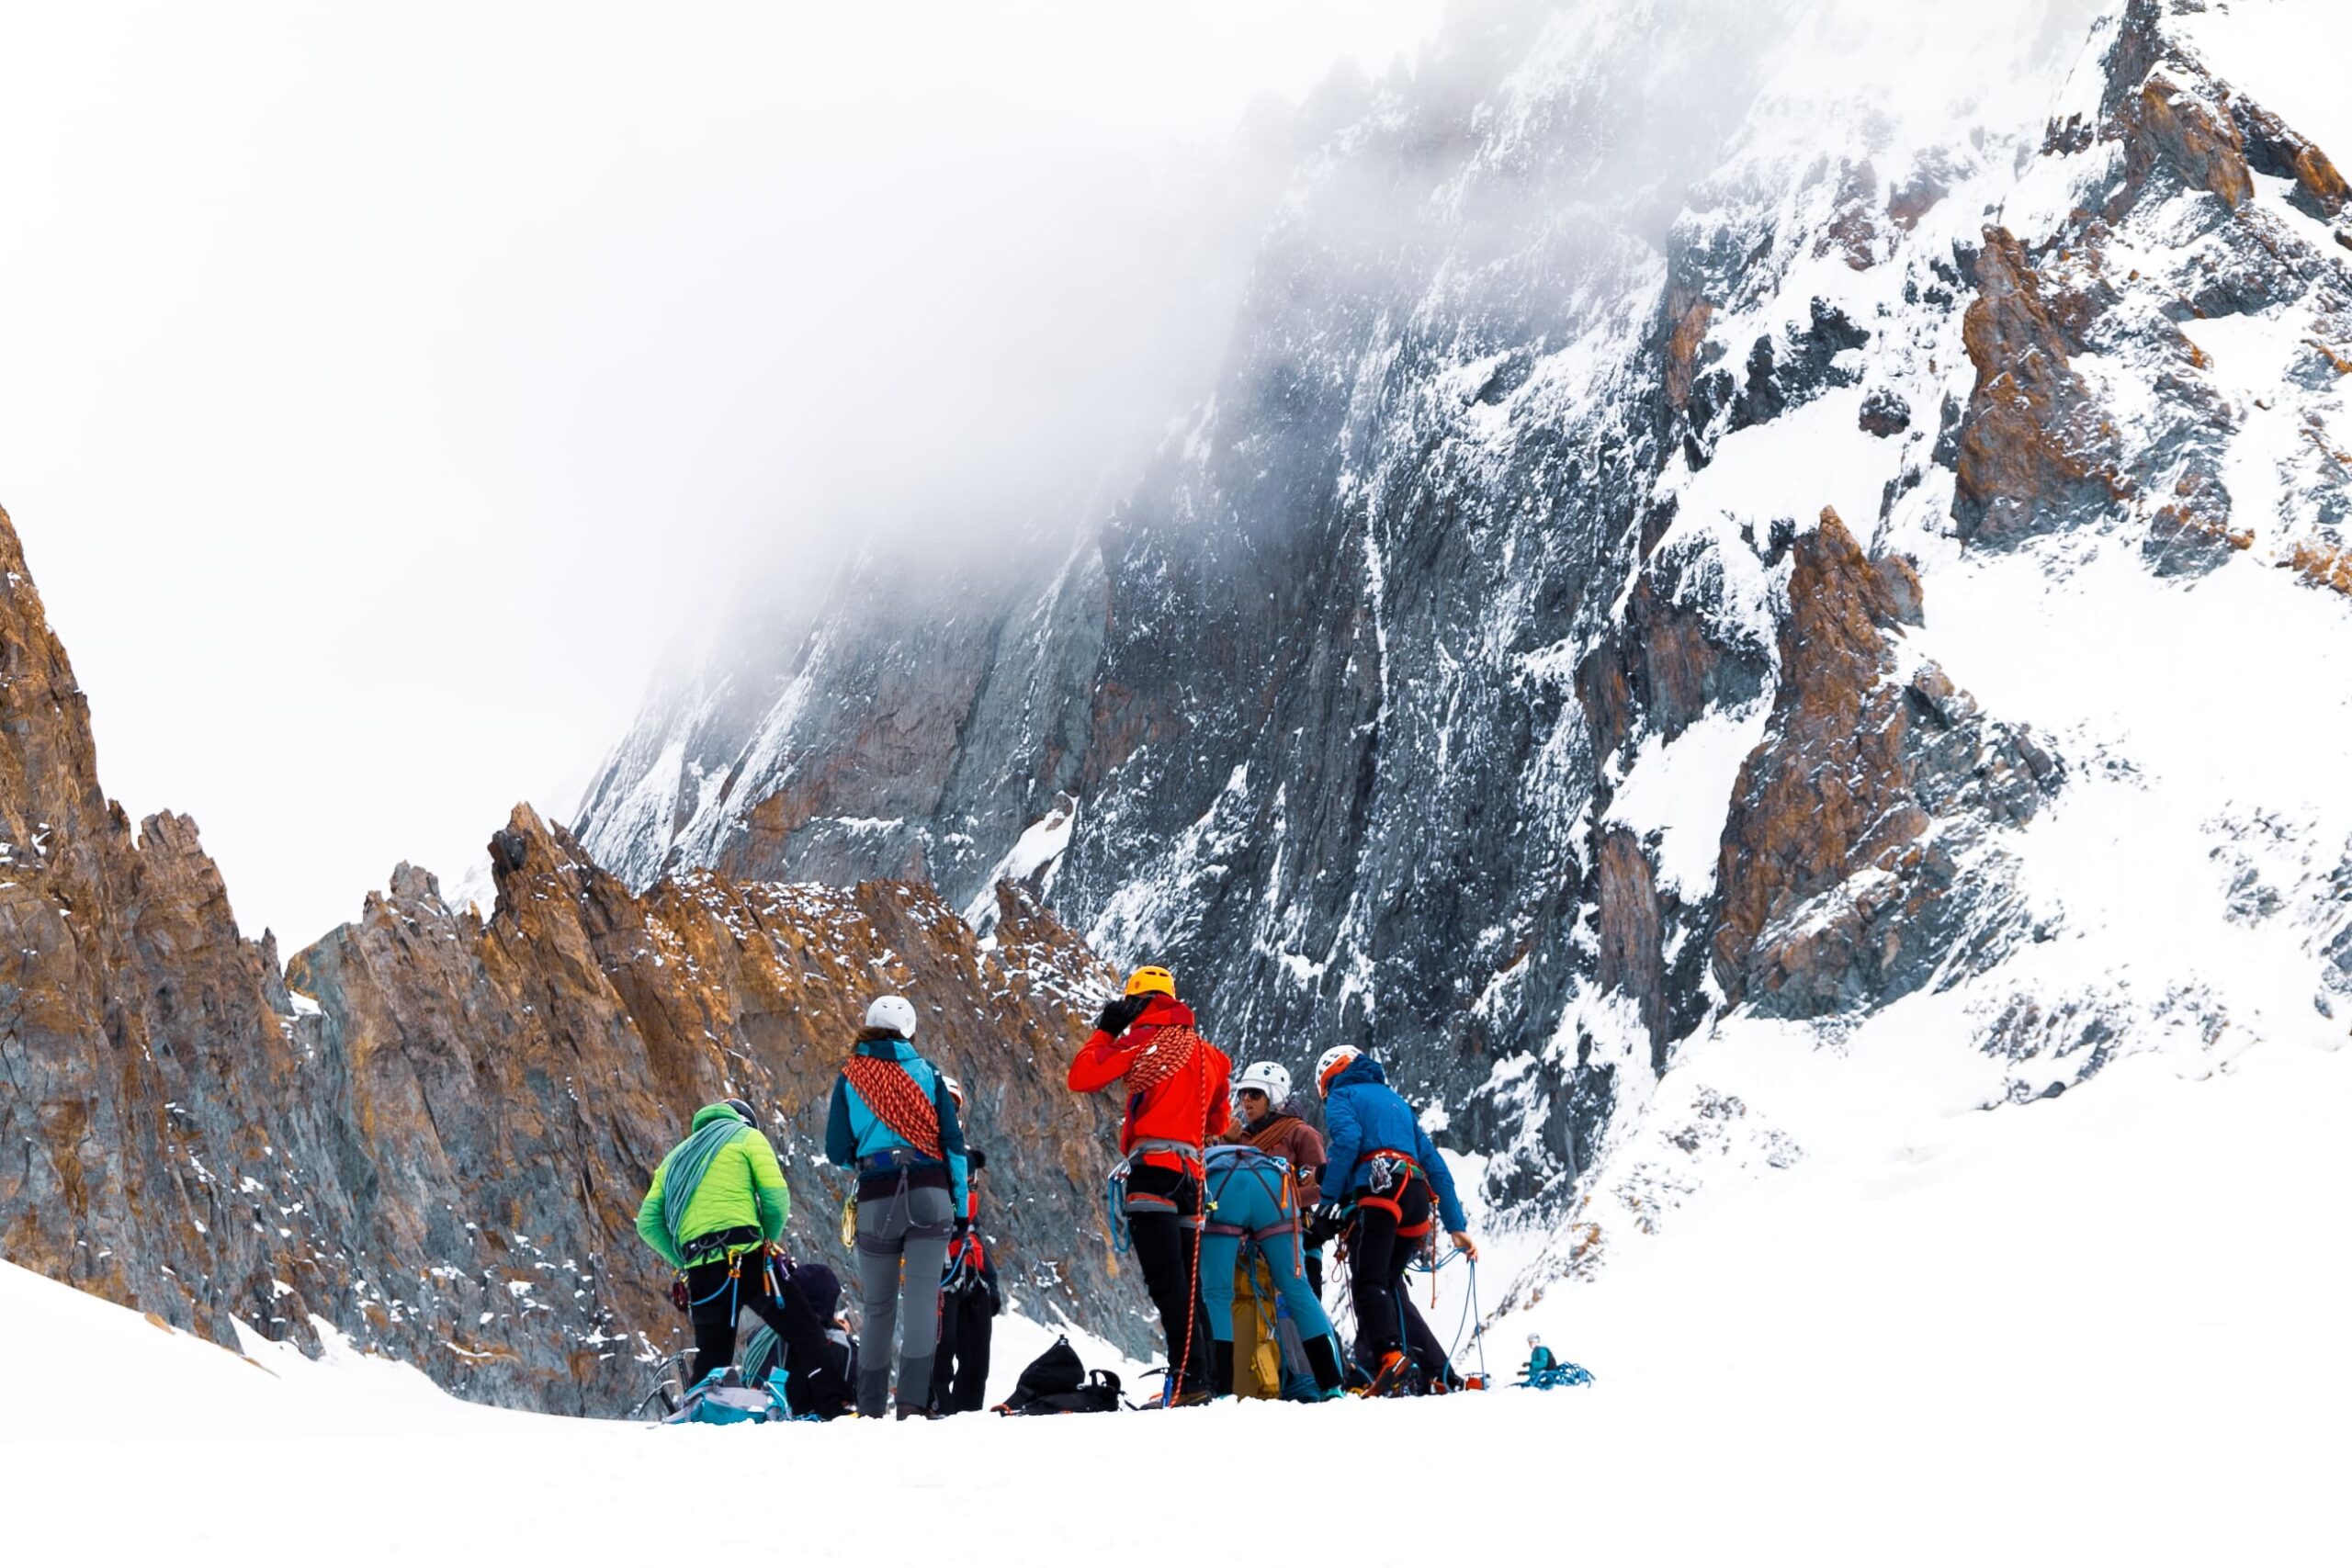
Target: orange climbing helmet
{"points": [[1151, 977]]}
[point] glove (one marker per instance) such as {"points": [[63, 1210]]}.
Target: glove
{"points": [[961, 1232], [1327, 1217], [1118, 1013]]}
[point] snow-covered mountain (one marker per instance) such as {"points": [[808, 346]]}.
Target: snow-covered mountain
{"points": [[1712, 516]]}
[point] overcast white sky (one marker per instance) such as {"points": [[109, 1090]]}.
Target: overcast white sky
{"points": [[386, 389]]}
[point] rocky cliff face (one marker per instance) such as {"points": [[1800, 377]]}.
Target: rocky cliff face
{"points": [[161, 1083], [436, 1141], [1473, 679]]}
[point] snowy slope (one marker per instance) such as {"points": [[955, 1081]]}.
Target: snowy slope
{"points": [[2104, 1327]]}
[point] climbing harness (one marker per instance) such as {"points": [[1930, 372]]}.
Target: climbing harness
{"points": [[1274, 1177], [1116, 1194], [1393, 1174]]}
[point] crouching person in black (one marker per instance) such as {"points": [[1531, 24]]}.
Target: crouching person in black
{"points": [[826, 1377], [970, 1301]]}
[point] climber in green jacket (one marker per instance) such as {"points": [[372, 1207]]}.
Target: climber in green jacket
{"points": [[716, 1212]]}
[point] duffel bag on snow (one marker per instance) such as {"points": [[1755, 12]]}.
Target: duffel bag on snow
{"points": [[1058, 1383]]}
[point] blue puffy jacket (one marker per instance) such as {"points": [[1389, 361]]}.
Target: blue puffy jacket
{"points": [[1365, 1116], [854, 1132]]}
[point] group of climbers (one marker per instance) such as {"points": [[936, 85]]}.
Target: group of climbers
{"points": [[1269, 1185], [1215, 1208]]}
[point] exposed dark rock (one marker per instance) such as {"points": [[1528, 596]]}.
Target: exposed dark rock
{"points": [[1885, 413]]}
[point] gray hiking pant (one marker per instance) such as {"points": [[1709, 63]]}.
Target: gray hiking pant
{"points": [[902, 1253]]}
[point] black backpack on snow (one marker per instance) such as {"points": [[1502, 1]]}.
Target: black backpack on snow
{"points": [[1058, 1383]]}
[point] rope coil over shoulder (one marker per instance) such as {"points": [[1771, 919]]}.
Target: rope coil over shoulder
{"points": [[891, 1093], [686, 1167]]}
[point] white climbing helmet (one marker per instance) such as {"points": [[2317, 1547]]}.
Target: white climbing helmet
{"points": [[1269, 1079], [955, 1090], [894, 1013], [1337, 1057]]}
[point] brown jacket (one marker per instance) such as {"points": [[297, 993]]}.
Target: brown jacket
{"points": [[1283, 1133]]}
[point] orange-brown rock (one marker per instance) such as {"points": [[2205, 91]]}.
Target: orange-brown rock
{"points": [[2035, 451], [1843, 859], [2169, 123], [2275, 148], [526, 1074], [2324, 565], [159, 1086], [1683, 344], [1631, 931]]}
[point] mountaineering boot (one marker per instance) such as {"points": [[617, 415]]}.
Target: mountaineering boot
{"points": [[1171, 1398], [1221, 1367], [1394, 1367], [1323, 1360]]}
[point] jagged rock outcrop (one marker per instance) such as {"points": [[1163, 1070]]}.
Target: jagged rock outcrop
{"points": [[2035, 451], [160, 1084], [1851, 823], [514, 1081], [435, 1143]]}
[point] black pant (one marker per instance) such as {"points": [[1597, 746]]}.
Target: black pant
{"points": [[717, 1301], [959, 1378], [1166, 1234], [1376, 1265]]}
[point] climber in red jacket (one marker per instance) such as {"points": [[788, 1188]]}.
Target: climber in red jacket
{"points": [[1177, 1088]]}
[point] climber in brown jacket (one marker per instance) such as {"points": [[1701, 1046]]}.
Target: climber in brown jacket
{"points": [[1261, 1095]]}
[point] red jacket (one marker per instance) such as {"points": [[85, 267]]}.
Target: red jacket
{"points": [[1188, 1108]]}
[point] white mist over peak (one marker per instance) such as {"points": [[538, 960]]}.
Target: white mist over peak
{"points": [[387, 393]]}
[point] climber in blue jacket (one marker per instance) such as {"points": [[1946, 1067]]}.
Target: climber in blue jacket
{"points": [[1381, 1161]]}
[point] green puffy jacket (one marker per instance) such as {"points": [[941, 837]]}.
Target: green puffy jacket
{"points": [[744, 1185]]}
